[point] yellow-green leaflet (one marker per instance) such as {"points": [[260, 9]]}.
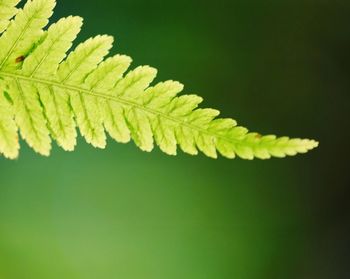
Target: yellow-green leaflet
{"points": [[7, 11], [47, 93]]}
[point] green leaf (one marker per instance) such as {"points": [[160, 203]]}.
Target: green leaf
{"points": [[9, 145], [47, 92], [24, 32]]}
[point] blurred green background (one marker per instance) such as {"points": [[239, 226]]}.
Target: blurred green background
{"points": [[277, 67]]}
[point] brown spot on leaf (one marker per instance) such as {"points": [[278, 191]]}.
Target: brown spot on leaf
{"points": [[20, 59]]}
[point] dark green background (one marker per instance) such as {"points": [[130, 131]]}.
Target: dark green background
{"points": [[277, 67]]}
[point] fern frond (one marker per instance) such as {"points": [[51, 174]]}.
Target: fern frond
{"points": [[45, 95]]}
